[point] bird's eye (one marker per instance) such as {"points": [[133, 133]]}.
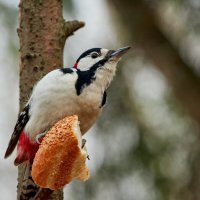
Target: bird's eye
{"points": [[94, 55]]}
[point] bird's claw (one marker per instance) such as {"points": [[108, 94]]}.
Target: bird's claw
{"points": [[83, 143], [83, 146], [39, 136], [88, 157]]}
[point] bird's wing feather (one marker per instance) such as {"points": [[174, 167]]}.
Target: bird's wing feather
{"points": [[21, 122], [39, 89]]}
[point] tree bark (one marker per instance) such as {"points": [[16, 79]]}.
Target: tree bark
{"points": [[42, 32]]}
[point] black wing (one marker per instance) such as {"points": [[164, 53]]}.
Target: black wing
{"points": [[21, 122]]}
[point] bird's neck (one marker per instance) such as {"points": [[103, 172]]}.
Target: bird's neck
{"points": [[97, 78], [104, 77]]}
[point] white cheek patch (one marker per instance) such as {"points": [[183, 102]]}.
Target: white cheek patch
{"points": [[87, 62]]}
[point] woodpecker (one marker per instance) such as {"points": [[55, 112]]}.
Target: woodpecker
{"points": [[79, 90]]}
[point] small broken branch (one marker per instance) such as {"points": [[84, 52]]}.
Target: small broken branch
{"points": [[72, 26]]}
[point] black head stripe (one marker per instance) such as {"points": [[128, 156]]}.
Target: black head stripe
{"points": [[85, 78], [88, 52]]}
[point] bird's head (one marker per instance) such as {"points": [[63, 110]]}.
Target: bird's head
{"points": [[99, 58]]}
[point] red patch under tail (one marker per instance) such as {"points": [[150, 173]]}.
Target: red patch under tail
{"points": [[26, 149]]}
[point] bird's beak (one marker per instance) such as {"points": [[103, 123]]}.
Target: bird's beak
{"points": [[119, 52]]}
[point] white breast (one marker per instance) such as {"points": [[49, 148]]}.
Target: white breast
{"points": [[54, 98]]}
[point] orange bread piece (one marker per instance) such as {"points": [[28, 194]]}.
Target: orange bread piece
{"points": [[60, 157]]}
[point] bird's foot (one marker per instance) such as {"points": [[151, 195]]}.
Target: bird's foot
{"points": [[83, 143], [88, 157], [39, 136], [83, 146]]}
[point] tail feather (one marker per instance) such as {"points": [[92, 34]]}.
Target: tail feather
{"points": [[20, 159], [18, 130], [26, 186], [12, 144]]}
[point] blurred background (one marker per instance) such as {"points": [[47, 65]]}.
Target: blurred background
{"points": [[145, 145]]}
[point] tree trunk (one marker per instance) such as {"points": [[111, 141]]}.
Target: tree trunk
{"points": [[42, 32]]}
